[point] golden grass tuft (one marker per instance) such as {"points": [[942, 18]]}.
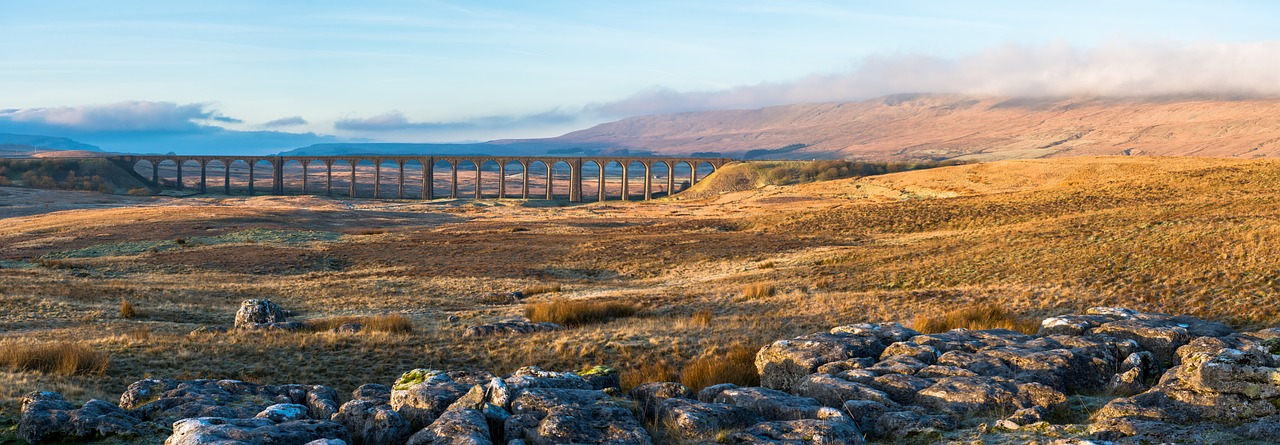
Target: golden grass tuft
{"points": [[541, 289], [392, 324], [737, 366], [61, 358], [987, 316], [578, 312], [755, 291], [703, 317], [658, 371], [127, 310]]}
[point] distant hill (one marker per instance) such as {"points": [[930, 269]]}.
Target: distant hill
{"points": [[21, 145], [525, 147], [938, 127]]}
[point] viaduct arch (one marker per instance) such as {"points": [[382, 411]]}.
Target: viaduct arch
{"points": [[548, 172]]}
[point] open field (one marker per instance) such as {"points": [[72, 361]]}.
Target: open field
{"points": [[1036, 237]]}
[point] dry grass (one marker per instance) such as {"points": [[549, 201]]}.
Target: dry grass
{"points": [[657, 371], [737, 366], [987, 316], [127, 310], [61, 358], [755, 291], [391, 324], [578, 312], [702, 317], [541, 289]]}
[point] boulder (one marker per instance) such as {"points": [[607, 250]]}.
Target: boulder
{"points": [[887, 333], [969, 396], [798, 432], [455, 427], [924, 353], [423, 402], [650, 395], [834, 392], [900, 425], [979, 364], [602, 378], [165, 400], [535, 377], [223, 431], [771, 404], [47, 417], [510, 327], [898, 364], [693, 420], [372, 421], [971, 341], [554, 415], [708, 394], [901, 388], [785, 362], [283, 412], [259, 314]]}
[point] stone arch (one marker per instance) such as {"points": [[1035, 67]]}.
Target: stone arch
{"points": [[493, 185], [386, 179], [145, 168], [365, 180], [683, 175], [238, 172], [316, 177], [413, 174], [611, 179], [702, 170], [514, 185], [637, 179], [661, 179], [591, 180], [263, 177], [342, 174], [536, 174], [443, 178], [561, 182], [293, 182], [168, 173], [468, 172], [217, 178], [191, 177]]}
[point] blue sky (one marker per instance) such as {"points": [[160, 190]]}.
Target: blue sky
{"points": [[435, 71]]}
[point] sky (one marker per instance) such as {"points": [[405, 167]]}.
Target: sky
{"points": [[254, 76]]}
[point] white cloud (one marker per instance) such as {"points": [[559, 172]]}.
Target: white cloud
{"points": [[1118, 68], [121, 116]]}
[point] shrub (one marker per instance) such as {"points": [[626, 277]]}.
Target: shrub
{"points": [[140, 191], [578, 312], [62, 358], [659, 371], [766, 265], [737, 366], [758, 290], [392, 324], [127, 310], [987, 316]]}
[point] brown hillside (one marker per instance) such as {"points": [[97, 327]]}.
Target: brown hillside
{"points": [[957, 127]]}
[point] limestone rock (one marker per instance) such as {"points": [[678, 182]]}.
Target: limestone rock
{"points": [[785, 362], [834, 392], [651, 395], [602, 378], [510, 327], [924, 353], [259, 314], [455, 427], [887, 333], [555, 415], [47, 417], [165, 400], [770, 403], [373, 422], [694, 420], [283, 412], [798, 432], [969, 396], [223, 431], [900, 425], [900, 387]]}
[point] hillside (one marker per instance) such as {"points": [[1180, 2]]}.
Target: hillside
{"points": [[914, 127], [24, 145]]}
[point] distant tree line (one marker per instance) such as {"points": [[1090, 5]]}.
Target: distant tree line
{"points": [[57, 174]]}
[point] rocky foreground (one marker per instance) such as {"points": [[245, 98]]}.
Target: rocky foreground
{"points": [[1169, 379]]}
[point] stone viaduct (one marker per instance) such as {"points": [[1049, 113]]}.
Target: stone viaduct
{"points": [[629, 166]]}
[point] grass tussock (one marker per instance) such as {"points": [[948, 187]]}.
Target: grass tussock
{"points": [[541, 289], [391, 324], [737, 366], [658, 371], [61, 358], [127, 310], [755, 291], [987, 316], [703, 317], [578, 312]]}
